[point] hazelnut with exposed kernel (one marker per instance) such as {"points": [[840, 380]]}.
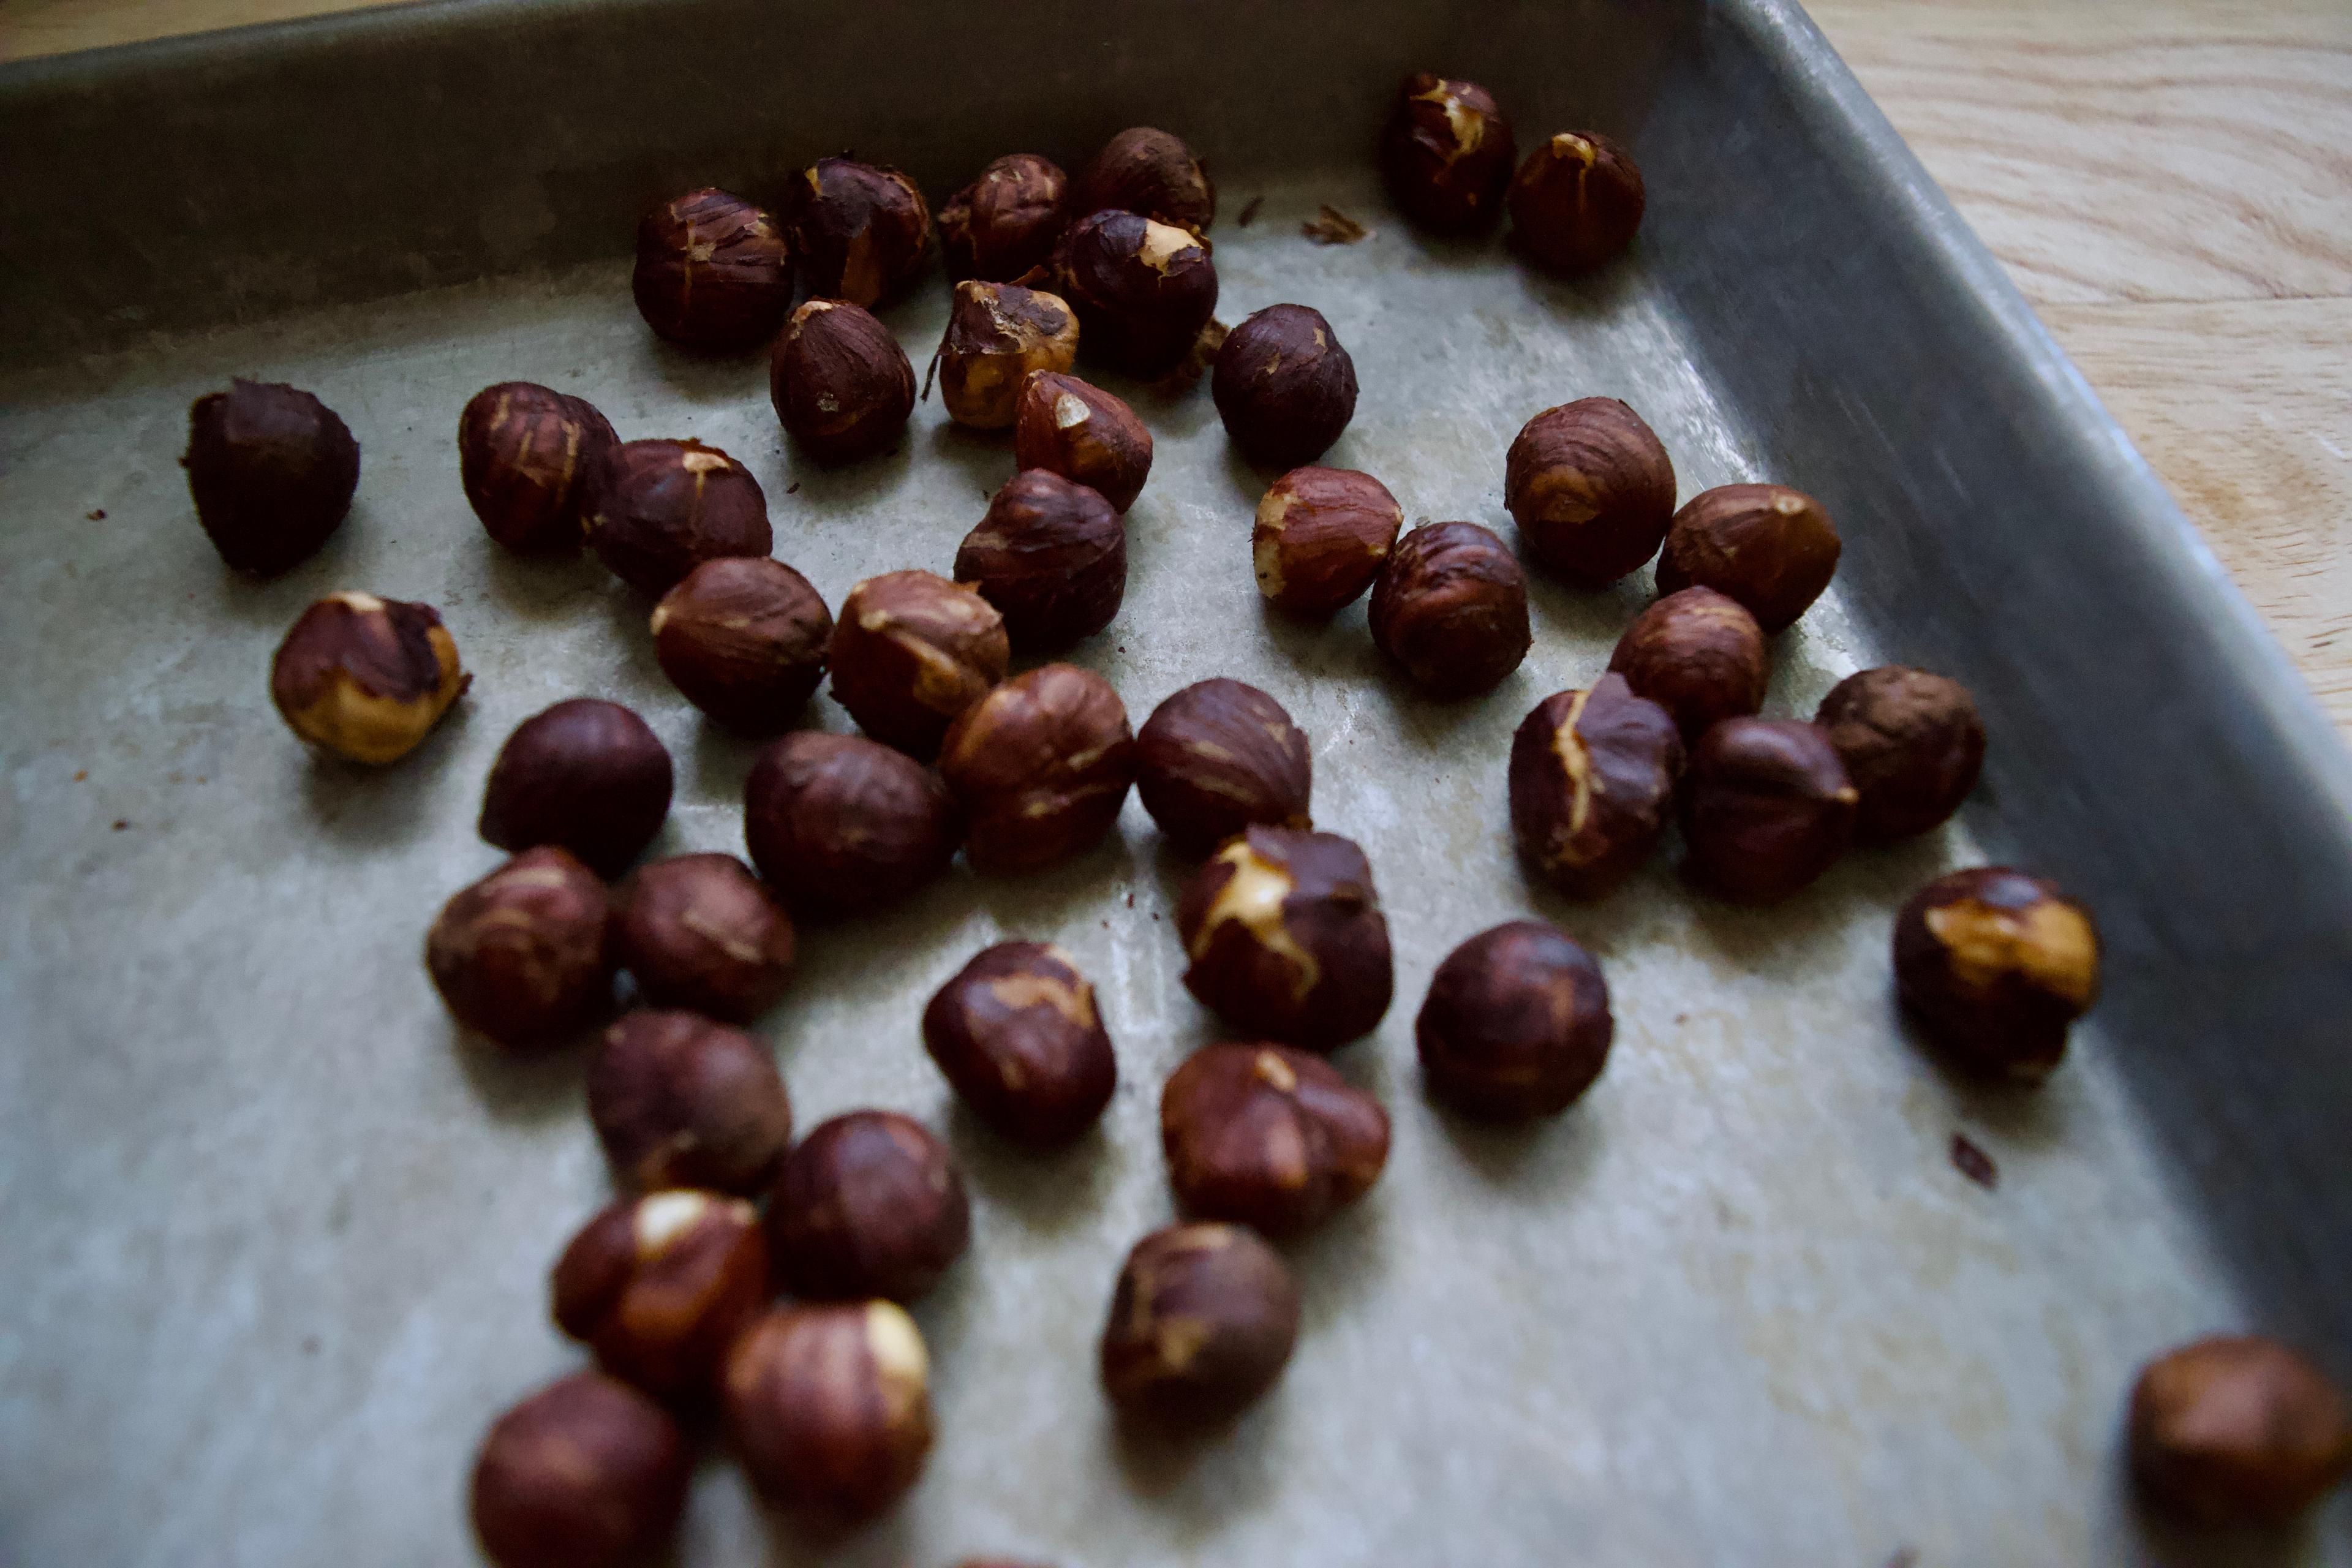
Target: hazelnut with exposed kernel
{"points": [[1575, 202], [659, 509], [1771, 548], [1322, 537], [2237, 1430], [1450, 608], [1698, 655], [1911, 743], [699, 931], [1202, 1324], [1143, 290], [1085, 435], [1150, 171], [999, 334], [868, 1204], [1286, 939], [587, 774], [1218, 756], [862, 233], [1995, 965], [713, 271], [272, 470], [680, 1101], [1284, 385], [1448, 153], [1269, 1137], [837, 822], [829, 1406], [524, 955], [659, 1286], [1017, 1033], [1592, 488], [1051, 556], [1002, 227], [841, 384], [1766, 808], [744, 639], [912, 650], [527, 456], [1515, 1024], [1592, 776], [1041, 766], [366, 678], [586, 1473]]}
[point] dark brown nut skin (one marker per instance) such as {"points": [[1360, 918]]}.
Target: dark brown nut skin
{"points": [[1200, 1325], [1322, 537], [586, 1473], [1142, 289], [1450, 609], [1575, 202], [1447, 153], [1911, 743], [1148, 172], [862, 234], [998, 334], [1041, 766], [868, 1204], [1516, 1025], [366, 678], [840, 382], [839, 823], [587, 774], [680, 1101], [1592, 488], [659, 1286], [1001, 227], [527, 456], [1051, 556], [1700, 655], [913, 650], [272, 470], [829, 1406], [2237, 1430], [1017, 1034], [1287, 938], [1284, 385], [744, 638], [1269, 1137], [1084, 434], [713, 271], [1995, 964], [1592, 786], [1766, 808], [660, 509], [1218, 756], [1771, 548], [525, 955], [699, 931]]}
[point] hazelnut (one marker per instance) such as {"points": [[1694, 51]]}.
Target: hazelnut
{"points": [[1287, 938], [2237, 1431], [1200, 1325], [1148, 172], [744, 638], [272, 471], [841, 383], [527, 456], [659, 1286], [1002, 227], [868, 1204], [913, 650], [712, 271], [1322, 537], [1284, 385], [1218, 756], [1515, 1024], [524, 955], [1592, 488], [1696, 654], [1592, 783], [1448, 153], [587, 774], [838, 823], [1768, 546], [1143, 290], [830, 1407], [1084, 434], [1041, 766], [1269, 1137], [699, 931], [863, 233], [1911, 743], [1766, 810], [1450, 607], [586, 1473], [1018, 1035], [660, 509], [1051, 556], [364, 678], [1995, 964], [997, 334], [1575, 202], [680, 1101]]}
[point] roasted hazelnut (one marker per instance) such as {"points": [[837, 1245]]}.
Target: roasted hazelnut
{"points": [[1515, 1024], [1084, 434], [1592, 784], [586, 1473], [527, 456], [1002, 227], [1322, 537], [659, 1286], [744, 638], [1148, 172], [829, 1408], [1041, 766], [997, 334], [1018, 1035], [1450, 608], [868, 1204], [1698, 655], [1592, 488], [862, 234], [1284, 385], [1768, 546], [587, 774], [1269, 1137], [713, 271], [525, 954], [1995, 964], [1051, 556], [836, 823], [699, 931], [1911, 743], [1448, 153], [2237, 1430], [1575, 202], [913, 650], [680, 1101], [1218, 756], [272, 470], [841, 383], [1287, 938], [1766, 808], [1143, 290], [364, 678], [660, 509], [1200, 1325]]}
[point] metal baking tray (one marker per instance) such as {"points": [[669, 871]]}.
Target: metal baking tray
{"points": [[274, 1236]]}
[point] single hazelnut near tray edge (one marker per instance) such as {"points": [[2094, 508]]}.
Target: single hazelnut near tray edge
{"points": [[1143, 290], [1592, 488], [744, 638], [1002, 227], [1450, 609], [1284, 385], [862, 234], [869, 1203], [829, 1406], [713, 271], [680, 1101], [912, 651], [701, 931], [837, 822], [1148, 172], [1018, 1035], [1515, 1024], [1995, 965], [659, 1286], [1269, 1137], [1218, 756], [659, 509], [587, 774], [840, 382], [271, 469], [1771, 548], [366, 678], [1287, 938], [1698, 655], [2237, 1430], [1085, 435], [998, 334], [1766, 808], [1322, 537], [527, 456], [524, 956], [1041, 766], [1592, 777], [1447, 153], [1202, 1324], [1051, 556], [1911, 743], [1575, 202], [586, 1473]]}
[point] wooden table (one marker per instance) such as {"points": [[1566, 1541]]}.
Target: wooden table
{"points": [[2169, 182]]}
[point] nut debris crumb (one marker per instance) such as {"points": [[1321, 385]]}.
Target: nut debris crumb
{"points": [[1332, 227], [1977, 1165]]}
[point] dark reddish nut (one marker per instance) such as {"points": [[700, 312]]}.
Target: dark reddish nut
{"points": [[998, 334], [1450, 609], [913, 650], [587, 774], [1516, 1025], [586, 1473], [1766, 808], [1218, 756], [1002, 227], [699, 931], [1592, 786], [660, 509], [862, 234], [744, 638], [680, 1101], [1018, 1035], [840, 382], [829, 1408], [868, 1204], [1911, 743], [1143, 290], [1995, 965], [713, 271], [839, 823], [1448, 153], [1592, 488], [1700, 655], [272, 470], [1200, 1326], [1771, 548], [524, 955], [1148, 172], [1051, 556], [1575, 202], [1287, 938], [1269, 1137], [1322, 537], [1284, 385], [2237, 1430], [1041, 766], [527, 456], [659, 1286], [366, 678], [1084, 434]]}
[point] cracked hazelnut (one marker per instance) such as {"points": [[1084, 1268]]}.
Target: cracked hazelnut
{"points": [[1051, 556], [1284, 385], [830, 1408], [1450, 608], [1592, 784], [998, 334], [836, 823], [525, 954], [1084, 434], [1269, 1137], [1143, 290], [1995, 965], [364, 678], [1002, 227], [1448, 153], [868, 1204], [659, 1286], [587, 774], [1148, 172], [1017, 1034], [586, 1473], [1770, 547], [841, 383], [1041, 766], [1515, 1024], [913, 650], [1320, 539], [271, 469], [1287, 938], [2237, 1430], [1218, 756], [1575, 202], [863, 233], [1592, 488], [1911, 743], [527, 456], [1766, 808], [1698, 655], [659, 509], [1200, 1325], [744, 638], [699, 931], [680, 1101], [712, 271]]}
